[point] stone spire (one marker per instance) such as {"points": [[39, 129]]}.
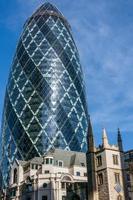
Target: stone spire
{"points": [[91, 164], [105, 139], [90, 137], [119, 140]]}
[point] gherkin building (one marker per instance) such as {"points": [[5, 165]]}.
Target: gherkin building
{"points": [[45, 104]]}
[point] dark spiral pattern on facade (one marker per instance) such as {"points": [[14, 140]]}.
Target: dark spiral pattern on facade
{"points": [[45, 104]]}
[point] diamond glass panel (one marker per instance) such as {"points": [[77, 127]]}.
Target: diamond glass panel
{"points": [[45, 104]]}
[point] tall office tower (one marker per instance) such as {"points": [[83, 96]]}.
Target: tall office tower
{"points": [[45, 104]]}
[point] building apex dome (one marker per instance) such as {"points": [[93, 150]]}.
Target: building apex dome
{"points": [[48, 7]]}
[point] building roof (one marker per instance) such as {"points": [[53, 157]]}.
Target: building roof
{"points": [[48, 7], [69, 158], [129, 151]]}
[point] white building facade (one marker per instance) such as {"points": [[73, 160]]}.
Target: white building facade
{"points": [[59, 175]]}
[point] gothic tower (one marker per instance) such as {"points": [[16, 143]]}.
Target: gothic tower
{"points": [[106, 179], [91, 165]]}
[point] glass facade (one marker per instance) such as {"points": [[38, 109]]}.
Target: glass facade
{"points": [[45, 104]]}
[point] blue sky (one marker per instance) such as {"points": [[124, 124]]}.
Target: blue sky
{"points": [[103, 31]]}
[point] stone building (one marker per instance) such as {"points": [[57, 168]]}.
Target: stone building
{"points": [[59, 175], [129, 172], [105, 166]]}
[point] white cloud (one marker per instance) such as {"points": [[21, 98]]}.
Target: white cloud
{"points": [[106, 54]]}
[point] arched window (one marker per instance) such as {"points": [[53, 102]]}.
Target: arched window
{"points": [[15, 177], [119, 197], [45, 185], [67, 179]]}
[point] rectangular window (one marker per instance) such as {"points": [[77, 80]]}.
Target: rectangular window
{"points": [[85, 174], [99, 161], [117, 178], [100, 179], [51, 161], [47, 160], [60, 163], [46, 172], [44, 198], [83, 164], [36, 167], [77, 173], [115, 159], [13, 193], [128, 177], [63, 185]]}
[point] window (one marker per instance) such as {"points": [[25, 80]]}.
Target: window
{"points": [[66, 179], [15, 176], [51, 161], [85, 174], [117, 178], [46, 172], [44, 198], [47, 160], [128, 177], [115, 159], [119, 197], [77, 173], [36, 166], [13, 192], [100, 179], [63, 197], [45, 185], [63, 185], [82, 164], [99, 161], [60, 163]]}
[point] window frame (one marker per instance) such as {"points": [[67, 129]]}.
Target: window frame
{"points": [[117, 177], [44, 197], [99, 160], [46, 172], [60, 162], [78, 173], [115, 159], [100, 179]]}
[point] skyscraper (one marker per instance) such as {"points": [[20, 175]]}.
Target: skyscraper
{"points": [[45, 104]]}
